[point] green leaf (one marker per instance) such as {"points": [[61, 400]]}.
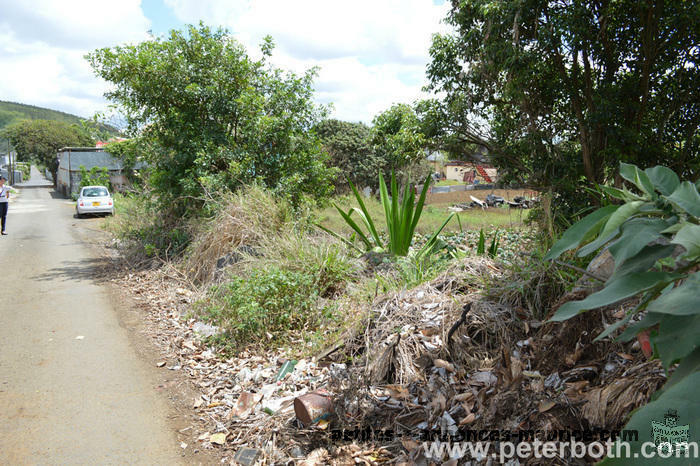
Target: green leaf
{"points": [[649, 320], [481, 246], [617, 290], [354, 226], [636, 234], [578, 231], [689, 238], [678, 336], [611, 228], [611, 328], [681, 300], [643, 261], [640, 179], [429, 245], [622, 194], [367, 216], [664, 179], [620, 216], [683, 398], [687, 366], [687, 198]]}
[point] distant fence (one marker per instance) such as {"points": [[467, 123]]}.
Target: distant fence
{"points": [[457, 187]]}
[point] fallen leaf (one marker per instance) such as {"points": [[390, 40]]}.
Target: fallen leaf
{"points": [[190, 344], [160, 364], [441, 363], [219, 438], [464, 396], [409, 445], [398, 391], [468, 419], [626, 356], [546, 405], [204, 436], [245, 404]]}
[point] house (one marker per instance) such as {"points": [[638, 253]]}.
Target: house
{"points": [[470, 172], [70, 159]]}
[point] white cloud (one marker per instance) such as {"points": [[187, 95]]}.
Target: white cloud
{"points": [[371, 53], [42, 44]]}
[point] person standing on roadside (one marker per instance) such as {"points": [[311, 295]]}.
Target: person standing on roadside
{"points": [[4, 202]]}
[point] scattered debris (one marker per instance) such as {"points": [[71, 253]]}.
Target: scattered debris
{"points": [[502, 369]]}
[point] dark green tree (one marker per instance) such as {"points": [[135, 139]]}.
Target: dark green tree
{"points": [[561, 92], [350, 148], [39, 140], [218, 118]]}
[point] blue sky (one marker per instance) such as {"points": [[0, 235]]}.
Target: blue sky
{"points": [[161, 16], [371, 53]]}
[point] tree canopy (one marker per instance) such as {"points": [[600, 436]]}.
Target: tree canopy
{"points": [[349, 146], [217, 117], [40, 140], [561, 92]]}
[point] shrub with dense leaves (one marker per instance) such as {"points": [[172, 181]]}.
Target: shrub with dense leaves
{"points": [[654, 238]]}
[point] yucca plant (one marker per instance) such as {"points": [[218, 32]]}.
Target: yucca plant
{"points": [[401, 219]]}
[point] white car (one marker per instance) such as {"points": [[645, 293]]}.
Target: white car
{"points": [[94, 200]]}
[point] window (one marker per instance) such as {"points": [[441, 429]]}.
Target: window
{"points": [[95, 192]]}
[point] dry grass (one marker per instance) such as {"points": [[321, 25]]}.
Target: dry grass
{"points": [[244, 218], [405, 325]]}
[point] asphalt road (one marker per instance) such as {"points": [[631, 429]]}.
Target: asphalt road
{"points": [[73, 389]]}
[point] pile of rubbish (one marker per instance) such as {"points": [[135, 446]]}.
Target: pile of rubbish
{"points": [[491, 200], [432, 361]]}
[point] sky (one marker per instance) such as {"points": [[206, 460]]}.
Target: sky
{"points": [[371, 54]]}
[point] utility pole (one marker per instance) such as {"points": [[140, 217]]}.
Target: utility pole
{"points": [[10, 171]]}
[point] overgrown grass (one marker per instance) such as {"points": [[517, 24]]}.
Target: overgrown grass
{"points": [[270, 278], [144, 231]]}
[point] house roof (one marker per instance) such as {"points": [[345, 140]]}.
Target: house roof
{"points": [[81, 149]]}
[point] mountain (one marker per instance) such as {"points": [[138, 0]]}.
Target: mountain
{"points": [[11, 112]]}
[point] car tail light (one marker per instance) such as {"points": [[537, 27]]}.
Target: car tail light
{"points": [[110, 202], [81, 204]]}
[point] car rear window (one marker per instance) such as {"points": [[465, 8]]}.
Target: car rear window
{"points": [[95, 192]]}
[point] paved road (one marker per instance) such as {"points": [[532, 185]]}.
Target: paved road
{"points": [[72, 389]]}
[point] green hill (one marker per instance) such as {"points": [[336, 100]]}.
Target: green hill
{"points": [[11, 112]]}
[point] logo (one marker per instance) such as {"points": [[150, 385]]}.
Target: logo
{"points": [[668, 436]]}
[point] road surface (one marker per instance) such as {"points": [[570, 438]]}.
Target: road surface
{"points": [[72, 388]]}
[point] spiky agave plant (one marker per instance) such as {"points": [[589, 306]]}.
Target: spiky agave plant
{"points": [[401, 219]]}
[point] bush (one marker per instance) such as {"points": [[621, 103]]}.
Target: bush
{"points": [[271, 300], [654, 238], [144, 232], [96, 176]]}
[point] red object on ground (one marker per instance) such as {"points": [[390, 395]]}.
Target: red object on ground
{"points": [[643, 339]]}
